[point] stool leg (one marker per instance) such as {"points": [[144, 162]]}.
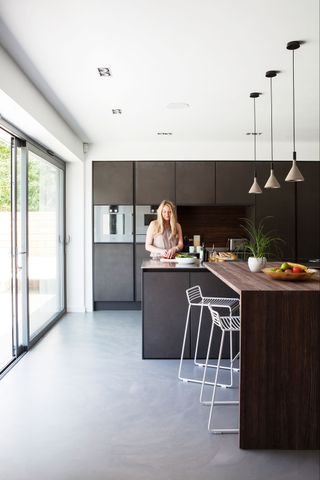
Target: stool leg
{"points": [[184, 343], [215, 382], [206, 364], [231, 360], [198, 336]]}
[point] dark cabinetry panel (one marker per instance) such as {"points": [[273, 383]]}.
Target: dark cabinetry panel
{"points": [[155, 181], [210, 286], [308, 211], [195, 183], [279, 203], [164, 313], [113, 272], [233, 181], [141, 254], [112, 183]]}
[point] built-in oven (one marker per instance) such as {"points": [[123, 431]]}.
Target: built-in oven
{"points": [[144, 215], [113, 223]]}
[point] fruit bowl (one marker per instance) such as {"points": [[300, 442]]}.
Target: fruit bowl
{"points": [[289, 276]]}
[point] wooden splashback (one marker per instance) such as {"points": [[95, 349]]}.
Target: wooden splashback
{"points": [[213, 224]]}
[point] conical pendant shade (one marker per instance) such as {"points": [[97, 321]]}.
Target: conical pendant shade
{"points": [[272, 181], [255, 188], [294, 174]]}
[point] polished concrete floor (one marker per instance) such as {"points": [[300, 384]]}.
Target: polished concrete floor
{"points": [[82, 405]]}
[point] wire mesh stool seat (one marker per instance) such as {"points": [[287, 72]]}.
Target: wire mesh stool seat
{"points": [[196, 299], [226, 324]]}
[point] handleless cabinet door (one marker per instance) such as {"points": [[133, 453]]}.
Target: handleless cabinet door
{"points": [[112, 183], [155, 181], [195, 183], [113, 272], [308, 211], [141, 254], [233, 181], [164, 314], [279, 204]]}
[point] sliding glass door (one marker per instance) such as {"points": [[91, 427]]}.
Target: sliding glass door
{"points": [[45, 240], [31, 244], [7, 280]]}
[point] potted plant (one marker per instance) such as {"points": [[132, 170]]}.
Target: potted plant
{"points": [[258, 244]]}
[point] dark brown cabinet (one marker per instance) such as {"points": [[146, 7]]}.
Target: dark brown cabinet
{"points": [[195, 183], [233, 181], [279, 204], [141, 254], [113, 272], [164, 313], [112, 183], [155, 181], [308, 212]]}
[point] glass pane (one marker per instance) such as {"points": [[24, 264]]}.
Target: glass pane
{"points": [[45, 247], [6, 320]]}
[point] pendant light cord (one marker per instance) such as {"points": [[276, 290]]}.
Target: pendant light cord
{"points": [[254, 136], [293, 110], [271, 125]]}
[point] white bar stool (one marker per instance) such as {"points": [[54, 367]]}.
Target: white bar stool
{"points": [[196, 299], [226, 324]]}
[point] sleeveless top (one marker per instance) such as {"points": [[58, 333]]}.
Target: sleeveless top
{"points": [[162, 240]]}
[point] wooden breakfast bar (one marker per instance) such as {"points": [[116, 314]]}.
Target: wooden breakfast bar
{"points": [[279, 369]]}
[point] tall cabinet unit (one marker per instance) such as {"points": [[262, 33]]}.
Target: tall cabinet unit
{"points": [[155, 181], [195, 183], [113, 260], [308, 212]]}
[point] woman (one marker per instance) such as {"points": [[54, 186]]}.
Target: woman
{"points": [[164, 235]]}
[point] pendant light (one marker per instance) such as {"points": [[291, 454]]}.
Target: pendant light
{"points": [[272, 181], [255, 188], [294, 174]]}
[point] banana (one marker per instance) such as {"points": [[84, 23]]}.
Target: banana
{"points": [[303, 267]]}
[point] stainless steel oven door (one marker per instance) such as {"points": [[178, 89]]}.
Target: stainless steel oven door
{"points": [[144, 215], [113, 223]]}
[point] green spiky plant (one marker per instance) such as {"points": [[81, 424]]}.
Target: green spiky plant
{"points": [[259, 243]]}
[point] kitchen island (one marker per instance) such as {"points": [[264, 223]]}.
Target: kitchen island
{"points": [[164, 309], [279, 380], [280, 326]]}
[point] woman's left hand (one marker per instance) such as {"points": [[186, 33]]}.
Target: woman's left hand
{"points": [[171, 253]]}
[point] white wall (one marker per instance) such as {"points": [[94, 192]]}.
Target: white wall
{"points": [[22, 105]]}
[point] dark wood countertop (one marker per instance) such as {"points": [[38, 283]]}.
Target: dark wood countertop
{"points": [[238, 277]]}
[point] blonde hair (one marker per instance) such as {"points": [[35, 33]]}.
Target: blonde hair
{"points": [[159, 224]]}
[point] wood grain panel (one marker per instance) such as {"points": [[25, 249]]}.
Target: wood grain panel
{"points": [[213, 224], [279, 395]]}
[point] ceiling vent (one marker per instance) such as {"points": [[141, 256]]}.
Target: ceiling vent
{"points": [[164, 133], [116, 111], [104, 72]]}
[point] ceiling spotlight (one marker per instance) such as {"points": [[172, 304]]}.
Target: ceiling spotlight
{"points": [[104, 72], [116, 111], [178, 105]]}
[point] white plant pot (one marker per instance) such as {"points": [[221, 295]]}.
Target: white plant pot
{"points": [[256, 264]]}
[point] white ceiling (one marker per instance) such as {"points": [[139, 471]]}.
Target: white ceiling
{"points": [[210, 54]]}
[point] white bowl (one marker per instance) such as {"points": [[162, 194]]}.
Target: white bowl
{"points": [[185, 259]]}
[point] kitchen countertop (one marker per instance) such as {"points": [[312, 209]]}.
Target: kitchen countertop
{"points": [[237, 276], [157, 265]]}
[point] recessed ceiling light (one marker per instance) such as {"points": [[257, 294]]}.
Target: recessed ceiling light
{"points": [[178, 105], [116, 111], [104, 72], [164, 133]]}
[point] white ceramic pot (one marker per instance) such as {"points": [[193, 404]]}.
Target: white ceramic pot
{"points": [[256, 264]]}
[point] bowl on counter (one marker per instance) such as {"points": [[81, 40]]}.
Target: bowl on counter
{"points": [[290, 276]]}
